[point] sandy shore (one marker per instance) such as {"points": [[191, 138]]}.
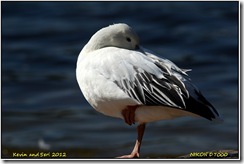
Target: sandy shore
{"points": [[13, 153]]}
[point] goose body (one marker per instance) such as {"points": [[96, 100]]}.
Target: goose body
{"points": [[120, 78]]}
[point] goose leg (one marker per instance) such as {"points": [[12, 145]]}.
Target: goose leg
{"points": [[129, 114], [136, 151]]}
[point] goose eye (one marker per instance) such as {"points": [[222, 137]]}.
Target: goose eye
{"points": [[128, 39]]}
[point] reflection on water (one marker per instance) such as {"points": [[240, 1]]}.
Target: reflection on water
{"points": [[44, 110]]}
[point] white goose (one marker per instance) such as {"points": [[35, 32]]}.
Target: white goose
{"points": [[121, 79]]}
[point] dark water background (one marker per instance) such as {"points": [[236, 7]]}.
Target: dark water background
{"points": [[41, 100]]}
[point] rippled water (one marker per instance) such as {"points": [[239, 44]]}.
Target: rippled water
{"points": [[44, 110]]}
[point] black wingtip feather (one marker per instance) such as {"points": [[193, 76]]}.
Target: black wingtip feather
{"points": [[201, 108]]}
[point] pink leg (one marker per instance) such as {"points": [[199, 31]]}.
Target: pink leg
{"points": [[129, 114], [136, 151]]}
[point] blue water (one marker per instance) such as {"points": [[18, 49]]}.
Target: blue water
{"points": [[42, 102]]}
